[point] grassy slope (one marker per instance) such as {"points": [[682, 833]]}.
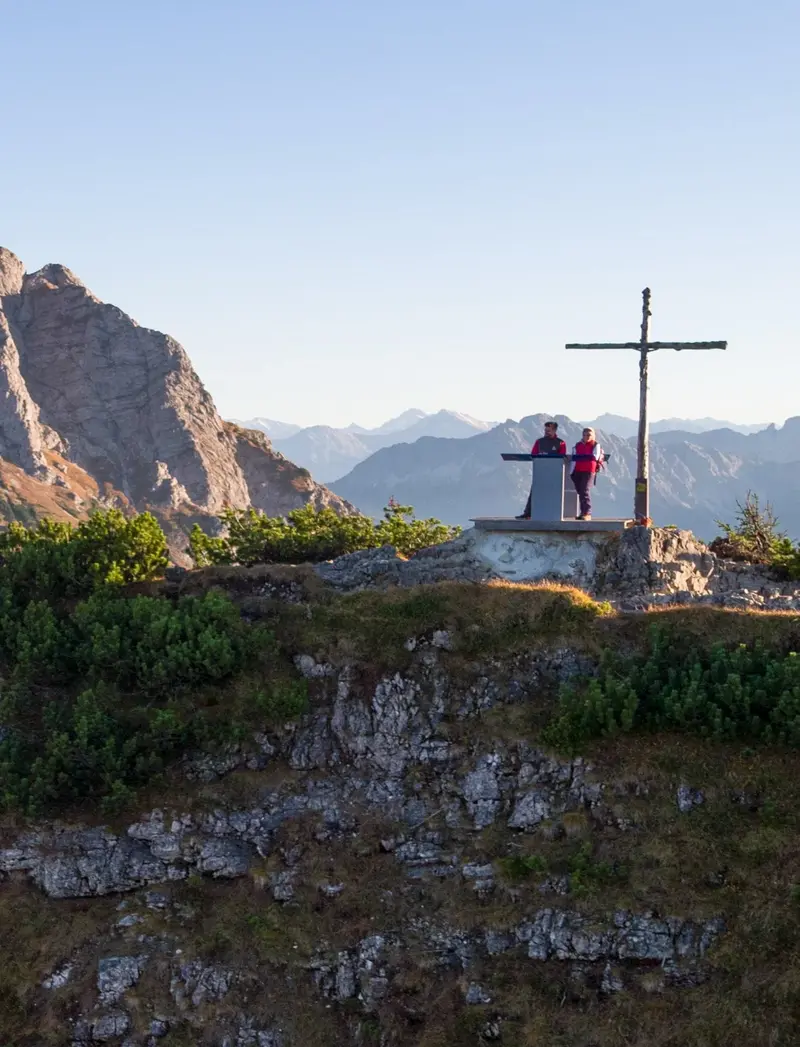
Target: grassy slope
{"points": [[741, 860]]}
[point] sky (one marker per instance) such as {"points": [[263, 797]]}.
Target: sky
{"points": [[345, 208]]}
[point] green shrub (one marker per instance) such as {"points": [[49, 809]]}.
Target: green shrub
{"points": [[521, 866], [146, 643], [145, 661], [55, 560], [747, 692], [310, 535], [587, 873], [102, 690]]}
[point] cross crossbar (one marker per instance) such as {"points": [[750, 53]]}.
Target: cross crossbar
{"points": [[651, 346]]}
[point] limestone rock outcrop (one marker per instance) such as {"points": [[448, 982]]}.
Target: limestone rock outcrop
{"points": [[634, 569], [385, 792], [124, 404]]}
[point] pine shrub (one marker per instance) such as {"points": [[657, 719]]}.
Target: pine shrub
{"points": [[310, 535], [742, 693], [102, 689]]}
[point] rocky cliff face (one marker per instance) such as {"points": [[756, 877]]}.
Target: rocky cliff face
{"points": [[406, 864], [124, 404], [372, 845]]}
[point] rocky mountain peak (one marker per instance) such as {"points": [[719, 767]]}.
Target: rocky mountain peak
{"points": [[12, 270], [125, 405], [50, 277]]}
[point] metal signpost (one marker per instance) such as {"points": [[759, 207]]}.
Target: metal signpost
{"points": [[644, 347]]}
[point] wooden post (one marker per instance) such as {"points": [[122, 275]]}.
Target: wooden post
{"points": [[641, 510]]}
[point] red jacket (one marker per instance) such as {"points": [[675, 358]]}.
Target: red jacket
{"points": [[549, 445], [585, 465]]}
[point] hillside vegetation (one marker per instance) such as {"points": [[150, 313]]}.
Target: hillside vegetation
{"points": [[106, 683], [114, 674]]}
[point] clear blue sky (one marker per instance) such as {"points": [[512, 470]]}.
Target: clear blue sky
{"points": [[343, 208]]}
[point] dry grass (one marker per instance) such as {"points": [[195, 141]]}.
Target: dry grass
{"points": [[26, 499], [482, 620], [491, 620]]}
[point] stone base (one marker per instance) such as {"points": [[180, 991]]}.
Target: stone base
{"points": [[534, 551], [510, 523]]}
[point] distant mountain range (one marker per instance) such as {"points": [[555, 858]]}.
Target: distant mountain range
{"points": [[619, 425], [331, 453], [772, 444], [696, 478]]}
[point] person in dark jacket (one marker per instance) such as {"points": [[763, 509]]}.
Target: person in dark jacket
{"points": [[589, 460], [550, 443]]}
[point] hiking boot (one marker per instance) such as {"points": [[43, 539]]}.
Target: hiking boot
{"points": [[587, 516], [522, 516]]}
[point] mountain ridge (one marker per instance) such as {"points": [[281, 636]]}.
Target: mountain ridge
{"points": [[330, 453], [122, 403], [692, 485]]}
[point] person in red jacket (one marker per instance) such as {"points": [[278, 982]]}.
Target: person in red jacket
{"points": [[550, 443], [589, 461]]}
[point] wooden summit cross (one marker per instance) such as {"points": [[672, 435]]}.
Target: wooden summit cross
{"points": [[644, 347]]}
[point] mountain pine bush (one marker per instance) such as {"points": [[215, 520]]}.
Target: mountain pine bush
{"points": [[55, 560], [102, 689], [310, 535], [746, 692]]}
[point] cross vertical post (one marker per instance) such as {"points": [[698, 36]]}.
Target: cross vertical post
{"points": [[644, 347], [641, 501]]}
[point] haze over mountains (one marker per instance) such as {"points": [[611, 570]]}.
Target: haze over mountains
{"points": [[330, 453], [696, 478], [628, 427]]}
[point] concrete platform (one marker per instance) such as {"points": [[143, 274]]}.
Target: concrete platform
{"points": [[508, 523]]}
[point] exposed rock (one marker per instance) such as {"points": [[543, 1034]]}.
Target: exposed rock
{"points": [[522, 785], [566, 935], [130, 920], [282, 884], [687, 798], [117, 974], [456, 560], [481, 791], [12, 271], [156, 900], [331, 890], [249, 1034], [661, 565], [22, 438], [102, 1028], [634, 569], [476, 994], [611, 982], [124, 403], [382, 752], [60, 977], [196, 983]]}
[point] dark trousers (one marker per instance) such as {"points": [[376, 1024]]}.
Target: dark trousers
{"points": [[583, 485]]}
